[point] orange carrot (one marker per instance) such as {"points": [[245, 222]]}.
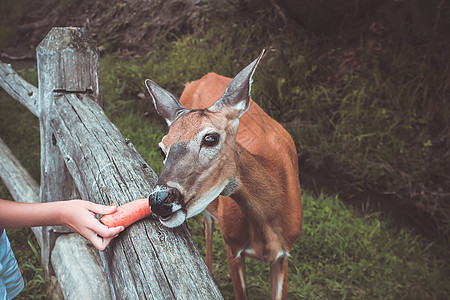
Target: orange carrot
{"points": [[127, 214]]}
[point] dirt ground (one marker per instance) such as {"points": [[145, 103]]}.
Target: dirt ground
{"points": [[129, 27], [123, 27]]}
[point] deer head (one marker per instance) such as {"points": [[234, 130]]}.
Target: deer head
{"points": [[199, 149]]}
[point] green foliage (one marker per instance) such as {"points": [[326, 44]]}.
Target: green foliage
{"points": [[171, 67], [382, 124]]}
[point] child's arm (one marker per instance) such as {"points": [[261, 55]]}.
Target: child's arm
{"points": [[79, 215]]}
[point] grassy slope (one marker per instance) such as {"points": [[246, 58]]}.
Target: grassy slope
{"points": [[341, 253]]}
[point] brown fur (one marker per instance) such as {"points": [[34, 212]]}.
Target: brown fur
{"points": [[265, 214]]}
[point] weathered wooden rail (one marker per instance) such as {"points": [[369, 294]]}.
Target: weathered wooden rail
{"points": [[84, 155]]}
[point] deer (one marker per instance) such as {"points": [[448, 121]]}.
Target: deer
{"points": [[225, 157]]}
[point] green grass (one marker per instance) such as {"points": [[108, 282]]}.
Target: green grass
{"points": [[145, 134], [27, 251], [340, 254]]}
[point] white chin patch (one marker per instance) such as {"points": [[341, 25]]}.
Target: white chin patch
{"points": [[200, 204], [175, 220]]}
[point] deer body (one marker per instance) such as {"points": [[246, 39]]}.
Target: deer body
{"points": [[226, 157]]}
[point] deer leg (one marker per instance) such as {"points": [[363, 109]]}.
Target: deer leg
{"points": [[278, 278], [236, 270], [208, 226]]}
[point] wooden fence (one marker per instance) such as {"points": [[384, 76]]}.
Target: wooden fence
{"points": [[84, 155]]}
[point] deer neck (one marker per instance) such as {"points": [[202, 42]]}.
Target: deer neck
{"points": [[259, 196], [258, 191]]}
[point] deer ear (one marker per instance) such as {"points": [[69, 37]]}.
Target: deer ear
{"points": [[237, 94], [165, 103]]}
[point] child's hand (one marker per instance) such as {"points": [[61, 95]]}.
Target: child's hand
{"points": [[79, 215]]}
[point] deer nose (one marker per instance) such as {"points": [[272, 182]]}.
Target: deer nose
{"points": [[163, 199]]}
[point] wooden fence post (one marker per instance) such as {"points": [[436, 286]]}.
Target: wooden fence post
{"points": [[67, 62], [84, 153], [147, 260]]}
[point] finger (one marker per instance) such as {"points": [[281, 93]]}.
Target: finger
{"points": [[99, 242], [104, 231], [95, 239], [104, 243], [114, 231], [102, 209]]}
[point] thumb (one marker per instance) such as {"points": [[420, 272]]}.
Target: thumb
{"points": [[102, 209]]}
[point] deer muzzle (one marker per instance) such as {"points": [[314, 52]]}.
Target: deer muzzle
{"points": [[166, 202]]}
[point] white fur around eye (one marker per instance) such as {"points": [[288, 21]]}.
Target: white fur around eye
{"points": [[163, 148]]}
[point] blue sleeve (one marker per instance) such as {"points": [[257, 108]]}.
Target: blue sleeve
{"points": [[11, 281]]}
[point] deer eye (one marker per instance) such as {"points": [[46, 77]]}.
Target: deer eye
{"points": [[162, 153], [210, 140]]}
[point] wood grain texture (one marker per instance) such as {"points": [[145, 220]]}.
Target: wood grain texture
{"points": [[147, 260], [67, 61], [78, 268], [19, 89]]}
